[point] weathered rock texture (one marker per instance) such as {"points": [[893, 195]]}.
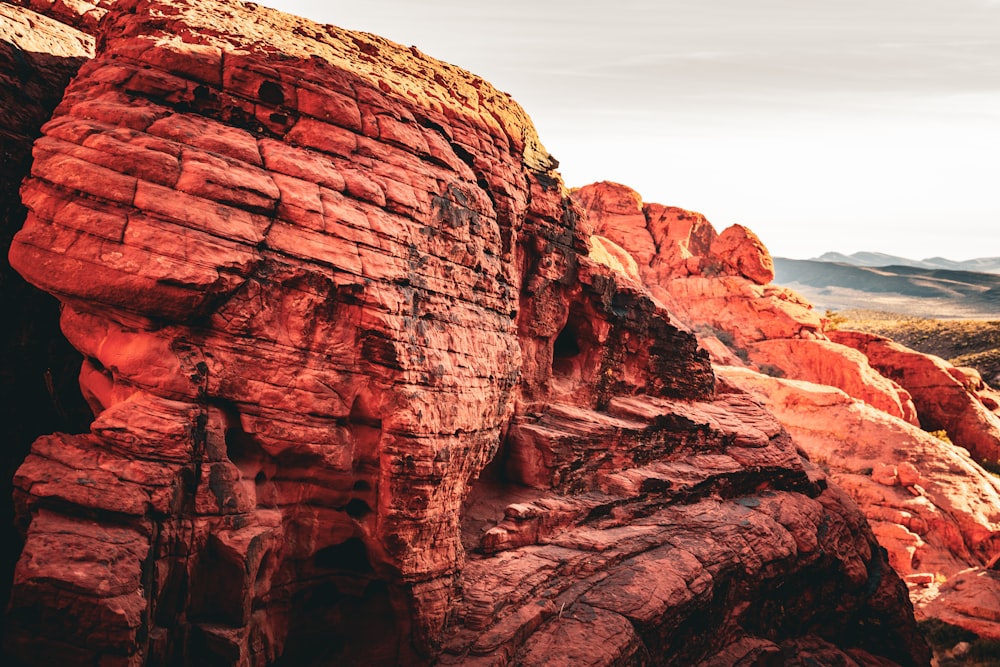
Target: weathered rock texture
{"points": [[363, 398], [38, 382], [719, 282], [837, 365], [693, 535], [947, 398], [78, 14], [852, 401], [931, 506]]}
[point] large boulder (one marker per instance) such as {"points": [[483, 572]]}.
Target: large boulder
{"points": [[718, 282], [830, 363]]}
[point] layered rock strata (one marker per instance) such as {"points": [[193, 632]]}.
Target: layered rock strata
{"points": [[38, 382], [950, 399], [720, 282], [361, 396], [694, 535], [902, 432], [930, 505]]}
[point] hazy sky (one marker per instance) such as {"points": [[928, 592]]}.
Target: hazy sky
{"points": [[822, 125]]}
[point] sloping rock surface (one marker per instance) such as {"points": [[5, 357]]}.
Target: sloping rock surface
{"points": [[362, 397], [931, 506], [902, 432], [947, 398]]}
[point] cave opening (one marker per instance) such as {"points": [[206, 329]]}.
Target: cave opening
{"points": [[566, 345], [346, 614], [328, 627], [488, 497], [357, 509], [572, 350], [349, 556]]}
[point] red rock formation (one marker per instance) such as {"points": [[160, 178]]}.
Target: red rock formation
{"points": [[79, 14], [930, 505], [718, 281], [340, 327], [38, 382], [946, 398], [660, 535], [837, 365]]}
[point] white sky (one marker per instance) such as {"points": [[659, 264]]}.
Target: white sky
{"points": [[822, 125]]}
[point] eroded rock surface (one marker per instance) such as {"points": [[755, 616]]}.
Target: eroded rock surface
{"points": [[362, 397], [947, 398], [717, 281], [38, 382], [691, 515], [931, 506], [894, 427], [78, 14]]}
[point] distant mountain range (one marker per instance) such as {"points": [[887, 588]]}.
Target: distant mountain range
{"points": [[980, 265], [925, 288]]}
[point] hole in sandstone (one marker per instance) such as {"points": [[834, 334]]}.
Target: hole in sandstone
{"points": [[362, 485], [566, 345], [327, 626], [489, 495], [217, 586], [242, 450], [570, 350], [357, 509], [349, 556], [271, 93]]}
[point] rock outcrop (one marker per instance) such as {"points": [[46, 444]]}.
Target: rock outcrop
{"points": [[717, 281], [81, 15], [861, 406], [38, 384], [667, 532], [361, 396], [948, 399], [931, 506], [837, 365]]}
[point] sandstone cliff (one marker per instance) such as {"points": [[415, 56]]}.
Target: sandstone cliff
{"points": [[362, 396], [38, 381]]}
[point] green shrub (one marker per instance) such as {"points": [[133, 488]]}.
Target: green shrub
{"points": [[772, 370], [941, 435], [943, 635]]}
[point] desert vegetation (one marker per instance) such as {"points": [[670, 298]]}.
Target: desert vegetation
{"points": [[962, 342], [956, 647]]}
